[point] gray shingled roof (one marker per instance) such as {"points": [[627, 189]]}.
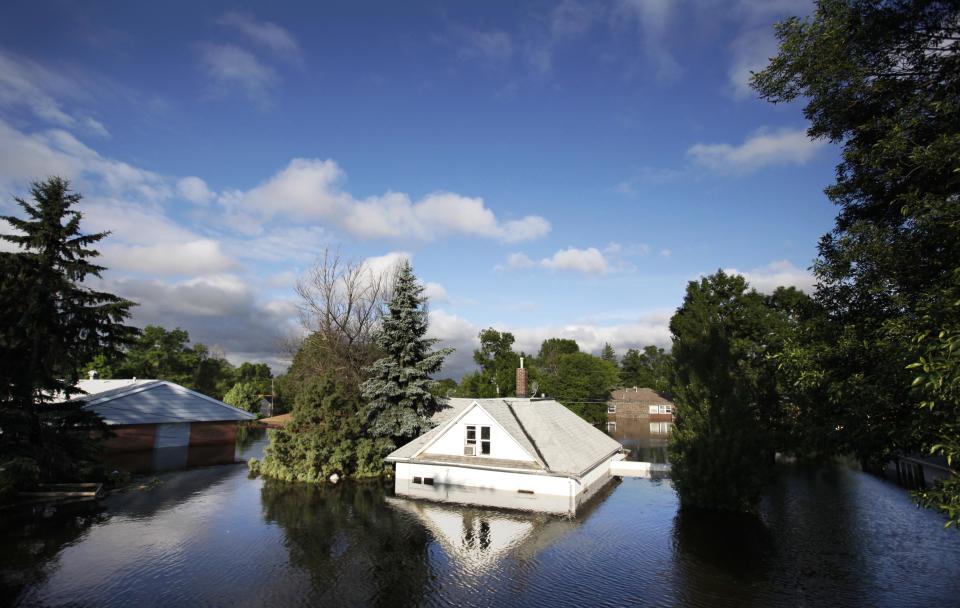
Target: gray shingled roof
{"points": [[549, 432], [159, 402]]}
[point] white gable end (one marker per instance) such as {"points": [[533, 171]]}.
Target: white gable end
{"points": [[453, 440]]}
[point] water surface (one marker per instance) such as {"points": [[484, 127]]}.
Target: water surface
{"points": [[212, 536]]}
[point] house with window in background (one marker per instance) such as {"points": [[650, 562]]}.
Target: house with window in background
{"points": [[638, 402], [513, 453]]}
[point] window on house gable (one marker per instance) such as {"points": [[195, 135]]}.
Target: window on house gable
{"points": [[471, 440]]}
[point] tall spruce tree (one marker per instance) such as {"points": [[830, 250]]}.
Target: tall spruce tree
{"points": [[50, 324], [399, 401]]}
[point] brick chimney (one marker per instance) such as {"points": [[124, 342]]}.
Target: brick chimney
{"points": [[521, 380]]}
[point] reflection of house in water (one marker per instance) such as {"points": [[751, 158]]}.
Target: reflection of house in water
{"points": [[477, 538], [531, 454], [646, 439]]}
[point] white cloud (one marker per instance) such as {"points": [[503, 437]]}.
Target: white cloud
{"points": [[765, 9], [310, 189], [495, 46], [776, 274], [296, 244], [95, 126], [751, 51], [629, 250], [26, 157], [198, 257], [220, 311], [435, 293], [652, 18], [587, 261], [264, 33], [646, 328], [570, 19], [385, 264], [763, 148], [231, 68], [195, 190], [286, 279], [517, 261], [666, 253], [33, 86]]}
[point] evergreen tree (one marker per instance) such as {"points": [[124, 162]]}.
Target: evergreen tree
{"points": [[50, 323], [608, 354], [399, 400]]}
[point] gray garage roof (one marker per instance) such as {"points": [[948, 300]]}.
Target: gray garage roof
{"points": [[158, 402], [557, 439]]}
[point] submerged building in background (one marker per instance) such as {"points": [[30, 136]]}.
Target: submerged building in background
{"points": [[530, 454], [159, 425]]}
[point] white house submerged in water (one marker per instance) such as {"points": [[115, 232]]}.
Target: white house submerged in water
{"points": [[492, 452]]}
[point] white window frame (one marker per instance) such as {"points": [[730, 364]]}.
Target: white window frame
{"points": [[481, 445], [468, 442], [611, 408], [485, 443]]}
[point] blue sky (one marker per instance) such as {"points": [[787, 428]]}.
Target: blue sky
{"points": [[552, 169]]}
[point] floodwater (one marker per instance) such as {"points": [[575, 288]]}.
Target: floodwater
{"points": [[212, 536]]}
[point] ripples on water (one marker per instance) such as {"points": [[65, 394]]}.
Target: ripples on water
{"points": [[211, 536]]}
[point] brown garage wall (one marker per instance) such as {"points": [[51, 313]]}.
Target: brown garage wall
{"points": [[211, 433], [130, 437]]}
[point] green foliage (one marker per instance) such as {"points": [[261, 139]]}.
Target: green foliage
{"points": [[650, 368], [324, 437], [608, 354], [245, 396], [938, 378], [498, 365], [722, 445], [164, 354], [257, 374], [399, 400], [880, 79], [50, 322], [548, 359], [583, 383], [447, 387]]}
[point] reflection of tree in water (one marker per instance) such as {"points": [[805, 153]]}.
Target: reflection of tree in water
{"points": [[356, 549], [247, 433], [31, 539], [721, 558]]}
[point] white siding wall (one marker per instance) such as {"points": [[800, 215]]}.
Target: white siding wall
{"points": [[484, 479], [590, 483], [502, 444], [489, 488]]}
